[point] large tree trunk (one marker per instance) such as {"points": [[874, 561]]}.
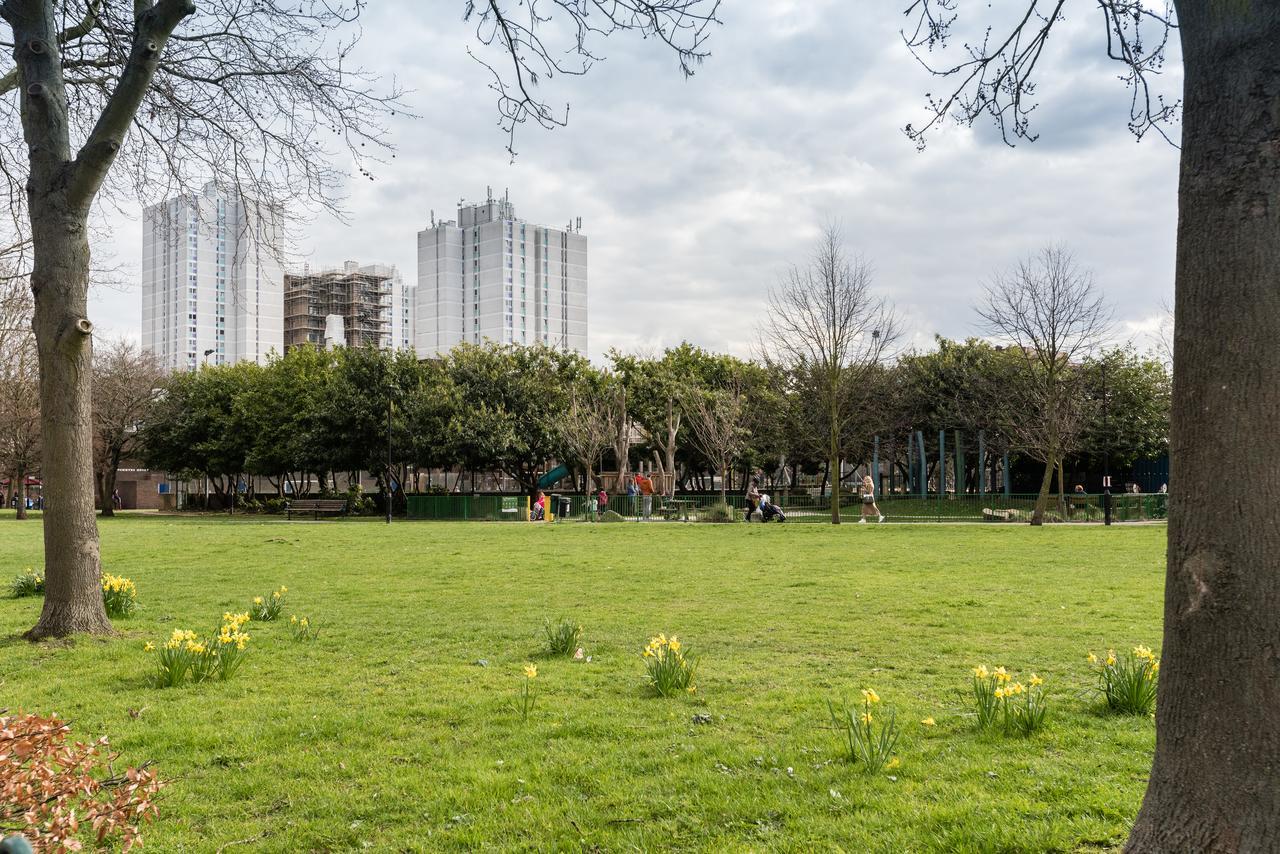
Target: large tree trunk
{"points": [[1213, 782], [1042, 498], [108, 499], [59, 280]]}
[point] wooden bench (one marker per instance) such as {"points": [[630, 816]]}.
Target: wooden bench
{"points": [[316, 506], [989, 515]]}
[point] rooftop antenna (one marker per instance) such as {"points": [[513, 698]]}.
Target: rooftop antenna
{"points": [[433, 217], [579, 228], [488, 191]]}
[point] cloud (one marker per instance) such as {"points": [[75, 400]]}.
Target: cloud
{"points": [[696, 194]]}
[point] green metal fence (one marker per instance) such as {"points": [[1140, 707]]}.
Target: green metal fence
{"points": [[801, 507]]}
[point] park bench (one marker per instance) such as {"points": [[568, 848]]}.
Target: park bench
{"points": [[316, 506], [989, 515]]}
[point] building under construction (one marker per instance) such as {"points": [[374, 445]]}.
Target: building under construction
{"points": [[361, 296]]}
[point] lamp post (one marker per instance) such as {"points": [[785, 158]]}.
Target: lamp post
{"points": [[207, 354], [390, 489], [1106, 453]]}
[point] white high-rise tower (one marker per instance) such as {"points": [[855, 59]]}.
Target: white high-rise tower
{"points": [[211, 283], [489, 276]]}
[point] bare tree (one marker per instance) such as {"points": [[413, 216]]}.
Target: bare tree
{"points": [[716, 421], [125, 381], [19, 390], [1049, 311], [827, 327], [590, 424], [539, 39], [110, 100]]}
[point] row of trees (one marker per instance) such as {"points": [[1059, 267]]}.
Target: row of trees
{"points": [[311, 416]]}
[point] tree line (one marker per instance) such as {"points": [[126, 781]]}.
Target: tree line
{"points": [[311, 420]]}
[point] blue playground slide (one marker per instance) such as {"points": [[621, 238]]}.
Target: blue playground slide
{"points": [[553, 477]]}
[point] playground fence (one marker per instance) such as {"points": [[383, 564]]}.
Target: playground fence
{"points": [[799, 507]]}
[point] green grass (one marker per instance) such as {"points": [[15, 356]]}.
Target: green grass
{"points": [[386, 734]]}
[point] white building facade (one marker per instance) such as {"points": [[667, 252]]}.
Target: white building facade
{"points": [[489, 276], [212, 288]]}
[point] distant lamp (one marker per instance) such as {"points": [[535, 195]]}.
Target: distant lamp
{"points": [[207, 354]]}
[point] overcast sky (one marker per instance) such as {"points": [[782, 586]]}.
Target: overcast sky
{"points": [[696, 194]]}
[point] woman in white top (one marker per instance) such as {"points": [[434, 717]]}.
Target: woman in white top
{"points": [[869, 501]]}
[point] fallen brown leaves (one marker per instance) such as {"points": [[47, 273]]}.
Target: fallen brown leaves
{"points": [[62, 794]]}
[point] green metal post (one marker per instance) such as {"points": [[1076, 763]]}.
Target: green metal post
{"points": [[982, 462], [942, 463], [923, 483], [875, 464], [959, 457], [1006, 474]]}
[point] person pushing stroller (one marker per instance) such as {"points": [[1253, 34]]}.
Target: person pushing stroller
{"points": [[769, 510]]}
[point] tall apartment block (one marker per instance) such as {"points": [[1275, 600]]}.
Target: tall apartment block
{"points": [[212, 289], [489, 276], [369, 299]]}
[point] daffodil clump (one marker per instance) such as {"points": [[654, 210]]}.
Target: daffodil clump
{"points": [[1128, 682], [867, 734], [27, 583], [303, 628], [669, 671], [267, 608], [185, 653], [119, 595], [1005, 703], [175, 657], [525, 699], [562, 637], [230, 645]]}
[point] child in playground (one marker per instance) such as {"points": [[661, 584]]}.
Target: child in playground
{"points": [[538, 512], [868, 491], [602, 503]]}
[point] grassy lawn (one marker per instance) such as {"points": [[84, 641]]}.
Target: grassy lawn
{"points": [[386, 734]]}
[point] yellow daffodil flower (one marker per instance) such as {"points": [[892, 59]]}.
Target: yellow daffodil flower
{"points": [[865, 717], [981, 671], [1093, 659], [999, 693], [530, 671], [150, 647], [1035, 680], [257, 600], [928, 722], [1111, 658], [870, 695], [893, 763]]}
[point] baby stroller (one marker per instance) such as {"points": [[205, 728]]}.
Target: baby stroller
{"points": [[769, 510]]}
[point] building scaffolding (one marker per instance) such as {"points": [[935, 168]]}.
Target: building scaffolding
{"points": [[361, 296]]}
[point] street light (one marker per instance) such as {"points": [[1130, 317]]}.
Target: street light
{"points": [[207, 354], [1106, 453]]}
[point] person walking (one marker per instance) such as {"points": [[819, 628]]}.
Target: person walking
{"points": [[868, 491], [645, 485], [753, 499]]}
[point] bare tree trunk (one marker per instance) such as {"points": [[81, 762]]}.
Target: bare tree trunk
{"points": [[1042, 499], [60, 281], [20, 480], [1213, 781], [106, 490]]}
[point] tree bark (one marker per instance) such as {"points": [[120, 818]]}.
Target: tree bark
{"points": [[108, 500], [1042, 498], [60, 281], [1213, 781], [20, 481]]}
